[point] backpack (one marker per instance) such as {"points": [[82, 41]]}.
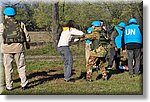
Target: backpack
{"points": [[13, 33]]}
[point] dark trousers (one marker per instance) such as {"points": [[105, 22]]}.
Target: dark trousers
{"points": [[114, 56], [134, 54]]}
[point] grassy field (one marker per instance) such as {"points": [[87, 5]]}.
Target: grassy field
{"points": [[45, 76]]}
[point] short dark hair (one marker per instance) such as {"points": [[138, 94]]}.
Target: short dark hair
{"points": [[70, 24], [101, 21]]}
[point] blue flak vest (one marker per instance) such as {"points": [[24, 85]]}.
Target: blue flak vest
{"points": [[88, 41], [118, 38], [88, 32], [132, 34]]}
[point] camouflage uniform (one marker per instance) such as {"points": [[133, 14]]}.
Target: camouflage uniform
{"points": [[98, 52]]}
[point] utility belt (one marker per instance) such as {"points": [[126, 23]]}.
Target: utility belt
{"points": [[18, 37], [13, 40], [62, 46]]}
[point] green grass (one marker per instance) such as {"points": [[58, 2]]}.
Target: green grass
{"points": [[46, 77], [46, 49], [116, 85]]}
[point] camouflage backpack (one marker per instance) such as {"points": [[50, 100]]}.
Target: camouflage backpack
{"points": [[99, 44], [13, 33]]}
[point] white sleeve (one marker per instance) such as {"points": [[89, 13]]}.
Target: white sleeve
{"points": [[75, 31]]}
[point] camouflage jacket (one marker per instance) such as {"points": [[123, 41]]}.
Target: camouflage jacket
{"points": [[99, 43]]}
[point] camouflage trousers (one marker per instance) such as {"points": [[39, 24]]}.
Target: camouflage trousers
{"points": [[87, 52], [91, 62]]}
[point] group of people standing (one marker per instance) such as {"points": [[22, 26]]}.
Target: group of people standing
{"points": [[127, 38], [14, 34], [124, 37]]}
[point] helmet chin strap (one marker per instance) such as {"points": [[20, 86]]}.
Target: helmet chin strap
{"points": [[7, 17]]}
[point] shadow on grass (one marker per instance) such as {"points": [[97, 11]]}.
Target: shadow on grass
{"points": [[41, 77], [110, 73], [43, 80], [82, 76], [35, 74]]}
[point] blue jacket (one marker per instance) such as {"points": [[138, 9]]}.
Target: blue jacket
{"points": [[89, 30], [132, 34], [118, 39]]}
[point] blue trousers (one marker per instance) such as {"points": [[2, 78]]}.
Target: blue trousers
{"points": [[68, 61]]}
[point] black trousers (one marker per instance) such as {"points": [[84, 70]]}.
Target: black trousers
{"points": [[114, 56], [134, 54]]}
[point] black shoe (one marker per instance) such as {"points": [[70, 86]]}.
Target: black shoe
{"points": [[109, 67], [70, 80], [25, 87], [137, 74], [131, 76], [105, 77]]}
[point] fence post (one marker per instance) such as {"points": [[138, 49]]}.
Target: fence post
{"points": [[55, 22]]}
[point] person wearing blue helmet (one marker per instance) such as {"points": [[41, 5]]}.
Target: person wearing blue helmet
{"points": [[132, 39], [99, 23], [14, 36], [103, 26], [116, 45], [98, 52]]}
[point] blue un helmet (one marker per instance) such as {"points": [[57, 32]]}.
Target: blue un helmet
{"points": [[122, 24], [89, 30], [9, 11], [132, 20], [96, 23]]}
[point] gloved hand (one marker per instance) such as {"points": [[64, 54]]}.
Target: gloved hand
{"points": [[82, 39]]}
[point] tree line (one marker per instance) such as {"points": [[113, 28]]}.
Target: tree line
{"points": [[39, 15]]}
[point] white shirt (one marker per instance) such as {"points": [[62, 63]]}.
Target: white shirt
{"points": [[66, 36]]}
